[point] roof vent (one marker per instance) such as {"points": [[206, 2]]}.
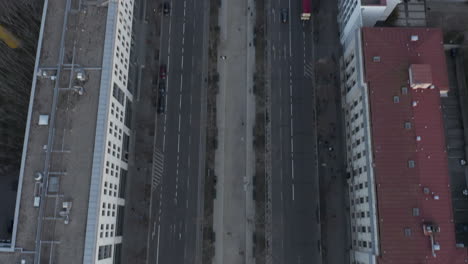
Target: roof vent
{"points": [[43, 120], [376, 58], [426, 190], [414, 37], [418, 138], [436, 197], [436, 246], [415, 103]]}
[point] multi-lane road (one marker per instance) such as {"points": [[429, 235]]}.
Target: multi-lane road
{"points": [[179, 147], [295, 190]]}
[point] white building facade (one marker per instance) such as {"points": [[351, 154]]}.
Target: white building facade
{"points": [[113, 129], [352, 16], [361, 182]]}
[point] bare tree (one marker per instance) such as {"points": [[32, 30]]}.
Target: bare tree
{"points": [[22, 19]]}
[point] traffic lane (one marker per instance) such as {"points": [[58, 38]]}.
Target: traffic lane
{"points": [[166, 245], [184, 139], [276, 155], [194, 126]]}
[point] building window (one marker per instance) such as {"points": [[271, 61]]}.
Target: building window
{"points": [[396, 99], [404, 90], [415, 211], [411, 164], [407, 231], [105, 252], [407, 125]]}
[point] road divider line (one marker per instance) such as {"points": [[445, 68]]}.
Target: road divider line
{"points": [[178, 146], [179, 119], [293, 191], [157, 249]]}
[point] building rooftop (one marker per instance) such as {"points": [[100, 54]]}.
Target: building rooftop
{"points": [[73, 39], [410, 158]]}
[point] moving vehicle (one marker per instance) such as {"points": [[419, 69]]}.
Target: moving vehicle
{"points": [[161, 103], [284, 15], [162, 88], [162, 72], [305, 15], [166, 8]]}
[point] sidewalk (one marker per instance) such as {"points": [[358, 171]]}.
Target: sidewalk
{"points": [[234, 162]]}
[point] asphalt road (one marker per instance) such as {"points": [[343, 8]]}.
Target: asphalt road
{"points": [[295, 190], [175, 206]]}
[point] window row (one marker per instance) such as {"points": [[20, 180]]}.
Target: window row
{"points": [[362, 243], [113, 149], [107, 230], [115, 130], [361, 229], [110, 189], [359, 186], [360, 214], [108, 209], [360, 200], [112, 169]]}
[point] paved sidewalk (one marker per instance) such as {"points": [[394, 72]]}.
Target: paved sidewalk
{"points": [[234, 162]]}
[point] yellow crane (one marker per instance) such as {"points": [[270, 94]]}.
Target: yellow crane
{"points": [[9, 38]]}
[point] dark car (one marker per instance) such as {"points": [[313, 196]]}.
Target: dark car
{"points": [[161, 104], [284, 15], [166, 8], [162, 71], [162, 88]]}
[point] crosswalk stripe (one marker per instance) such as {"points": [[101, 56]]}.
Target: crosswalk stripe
{"points": [[158, 167]]}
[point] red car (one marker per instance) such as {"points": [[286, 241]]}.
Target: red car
{"points": [[162, 72]]}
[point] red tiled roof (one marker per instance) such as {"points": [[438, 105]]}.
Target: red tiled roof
{"points": [[400, 188]]}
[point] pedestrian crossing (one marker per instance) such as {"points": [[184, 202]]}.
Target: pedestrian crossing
{"points": [[308, 70], [158, 168]]}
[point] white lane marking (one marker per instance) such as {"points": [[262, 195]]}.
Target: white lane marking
{"points": [[178, 146], [168, 61], [182, 62], [181, 82], [157, 249], [293, 192], [164, 139], [290, 49], [292, 166], [179, 119]]}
